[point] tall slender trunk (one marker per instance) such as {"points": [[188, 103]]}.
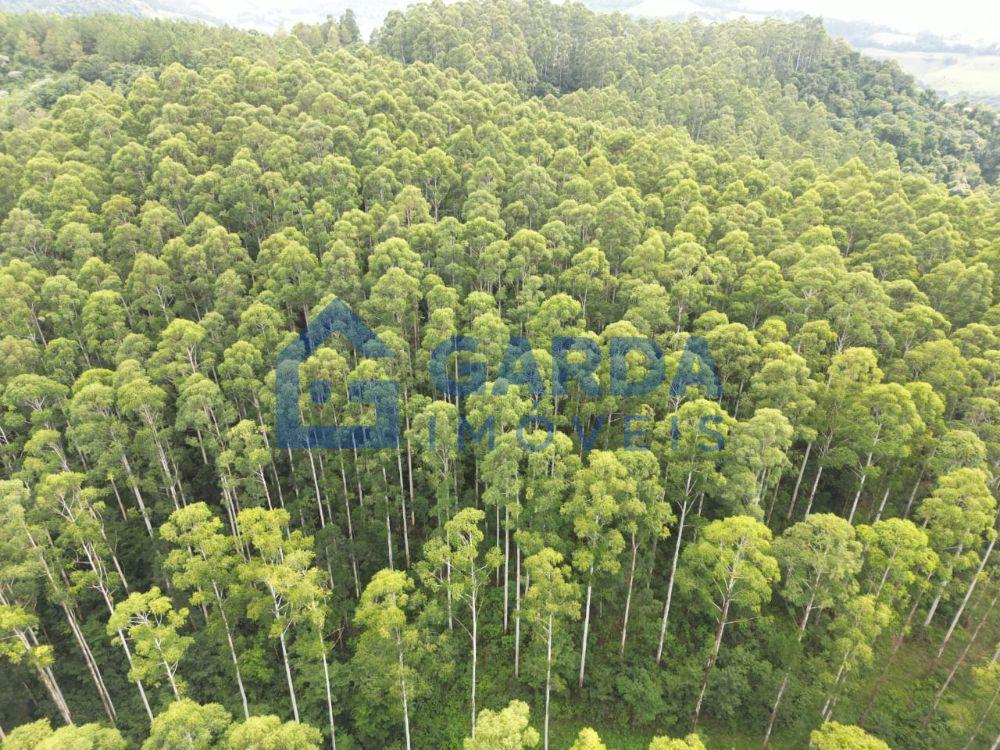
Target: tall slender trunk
{"points": [[30, 642], [798, 481], [831, 698], [913, 492], [586, 625], [170, 678], [968, 595], [881, 507], [92, 665], [133, 483], [288, 677], [319, 495], [402, 507], [402, 688], [232, 651], [628, 596], [475, 647], [78, 634], [350, 538], [958, 663], [889, 659], [670, 584], [506, 566], [388, 531], [329, 696], [138, 683], [861, 486], [710, 664], [932, 610], [812, 492], [985, 715], [548, 679], [788, 672], [517, 610]]}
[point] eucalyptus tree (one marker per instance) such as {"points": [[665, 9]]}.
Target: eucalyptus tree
{"points": [[453, 561], [958, 514], [288, 590], [730, 567], [691, 471], [204, 561], [551, 600], [821, 558], [149, 620], [599, 491], [390, 648]]}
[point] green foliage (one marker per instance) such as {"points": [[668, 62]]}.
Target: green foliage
{"points": [[177, 201], [507, 729], [691, 742], [186, 724], [834, 736]]}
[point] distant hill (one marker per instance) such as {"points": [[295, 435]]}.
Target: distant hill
{"points": [[772, 83], [957, 70], [135, 8]]}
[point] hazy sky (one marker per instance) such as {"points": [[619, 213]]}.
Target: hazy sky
{"points": [[970, 19]]}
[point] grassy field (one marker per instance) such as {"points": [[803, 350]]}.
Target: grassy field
{"points": [[953, 73], [908, 690]]}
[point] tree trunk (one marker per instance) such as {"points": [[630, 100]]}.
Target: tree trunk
{"points": [[288, 676], [586, 625], [475, 654], [506, 567], [232, 651], [171, 680], [888, 661], [628, 596], [944, 584], [784, 680], [831, 698], [774, 711], [719, 631], [388, 532], [92, 665], [958, 663], [138, 683], [861, 486], [138, 495], [798, 481], [27, 638], [517, 610], [965, 599], [986, 714], [329, 696], [913, 493], [403, 691], [402, 506], [812, 492], [670, 584], [548, 680], [881, 507], [319, 495]]}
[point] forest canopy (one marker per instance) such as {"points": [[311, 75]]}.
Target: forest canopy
{"points": [[178, 202]]}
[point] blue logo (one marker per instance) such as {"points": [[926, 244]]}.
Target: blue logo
{"points": [[336, 317], [464, 378]]}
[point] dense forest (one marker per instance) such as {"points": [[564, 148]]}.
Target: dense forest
{"points": [[789, 548]]}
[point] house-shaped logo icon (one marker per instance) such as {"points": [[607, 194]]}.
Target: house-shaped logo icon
{"points": [[336, 317]]}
